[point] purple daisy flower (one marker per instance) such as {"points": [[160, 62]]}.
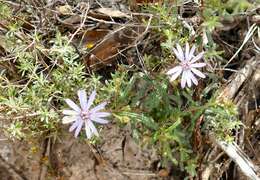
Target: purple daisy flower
{"points": [[83, 115], [187, 66]]}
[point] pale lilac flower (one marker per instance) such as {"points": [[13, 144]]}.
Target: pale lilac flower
{"points": [[187, 66], [83, 115]]}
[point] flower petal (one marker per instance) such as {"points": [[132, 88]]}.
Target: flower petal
{"points": [[193, 78], [180, 52], [87, 130], [93, 128], [175, 75], [183, 79], [68, 119], [187, 50], [174, 70], [178, 55], [80, 123], [100, 120], [198, 65], [196, 58], [198, 73], [91, 99], [74, 126], [191, 53], [69, 112], [82, 99], [188, 79], [73, 105], [102, 114], [98, 107]]}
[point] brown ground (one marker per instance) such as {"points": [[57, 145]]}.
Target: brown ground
{"points": [[116, 157]]}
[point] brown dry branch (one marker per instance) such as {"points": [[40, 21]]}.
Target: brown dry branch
{"points": [[241, 79], [81, 25]]}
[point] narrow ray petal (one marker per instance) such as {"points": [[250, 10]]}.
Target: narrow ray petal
{"points": [[102, 114], [93, 128], [91, 99], [73, 105], [191, 54], [74, 126], [175, 75], [188, 79], [178, 55], [181, 54], [87, 130], [174, 70], [98, 107], [187, 51], [198, 73], [196, 58], [68, 119], [70, 112], [80, 124], [198, 65], [193, 78], [83, 99], [183, 79], [100, 120]]}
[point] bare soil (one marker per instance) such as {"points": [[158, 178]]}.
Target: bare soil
{"points": [[117, 157]]}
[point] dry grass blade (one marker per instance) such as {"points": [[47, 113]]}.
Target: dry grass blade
{"points": [[249, 34]]}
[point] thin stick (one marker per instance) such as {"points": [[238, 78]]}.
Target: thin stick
{"points": [[80, 27]]}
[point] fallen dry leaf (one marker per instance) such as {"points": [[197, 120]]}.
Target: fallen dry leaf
{"points": [[91, 37], [106, 51], [103, 54], [163, 173]]}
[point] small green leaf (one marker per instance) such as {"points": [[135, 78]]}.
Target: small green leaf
{"points": [[145, 120]]}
